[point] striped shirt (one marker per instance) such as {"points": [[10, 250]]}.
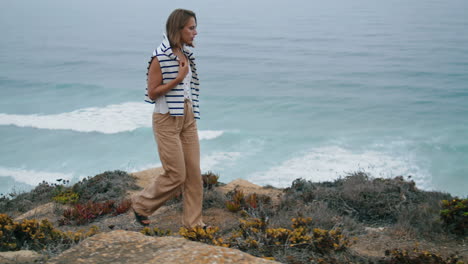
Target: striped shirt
{"points": [[170, 68]]}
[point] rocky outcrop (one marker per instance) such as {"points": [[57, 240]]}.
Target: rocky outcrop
{"points": [[133, 247], [45, 211], [22, 256]]}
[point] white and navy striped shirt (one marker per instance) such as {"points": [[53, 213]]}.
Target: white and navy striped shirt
{"points": [[170, 68]]}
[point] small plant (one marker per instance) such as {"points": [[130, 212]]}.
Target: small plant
{"points": [[278, 236], [329, 240], [416, 256], [81, 214], [214, 199], [236, 202], [233, 206], [251, 201], [252, 204], [254, 225], [210, 180], [155, 232], [454, 215], [301, 222], [123, 207], [203, 234], [66, 197]]}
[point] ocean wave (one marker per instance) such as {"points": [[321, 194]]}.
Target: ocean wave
{"points": [[207, 162], [211, 161], [329, 163], [110, 119], [209, 134], [33, 177]]}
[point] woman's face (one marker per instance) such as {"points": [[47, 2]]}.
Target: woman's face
{"points": [[189, 32]]}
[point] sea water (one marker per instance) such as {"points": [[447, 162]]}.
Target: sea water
{"points": [[289, 89]]}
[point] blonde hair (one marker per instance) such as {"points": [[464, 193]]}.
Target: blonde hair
{"points": [[175, 23]]}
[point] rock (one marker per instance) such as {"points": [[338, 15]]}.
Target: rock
{"points": [[374, 229], [44, 211], [132, 247], [22, 256]]}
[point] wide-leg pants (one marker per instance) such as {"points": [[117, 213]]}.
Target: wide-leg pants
{"points": [[179, 151]]}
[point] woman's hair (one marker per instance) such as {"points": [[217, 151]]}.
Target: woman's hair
{"points": [[175, 23]]}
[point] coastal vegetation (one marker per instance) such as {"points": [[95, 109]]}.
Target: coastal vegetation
{"points": [[38, 235], [308, 222]]}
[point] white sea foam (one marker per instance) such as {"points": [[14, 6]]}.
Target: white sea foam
{"points": [[210, 162], [207, 162], [33, 177], [110, 119], [329, 163], [209, 134]]}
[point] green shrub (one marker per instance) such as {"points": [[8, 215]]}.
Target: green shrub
{"points": [[66, 197], [23, 202], [454, 215], [110, 185], [368, 200], [212, 198]]}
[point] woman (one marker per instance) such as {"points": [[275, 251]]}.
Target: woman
{"points": [[173, 87]]}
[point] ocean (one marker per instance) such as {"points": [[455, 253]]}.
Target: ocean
{"points": [[289, 89]]}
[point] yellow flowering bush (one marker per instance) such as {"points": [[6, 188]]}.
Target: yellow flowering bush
{"points": [[255, 237], [454, 215], [155, 232], [203, 234], [36, 235], [416, 256], [329, 240], [301, 222], [66, 197]]}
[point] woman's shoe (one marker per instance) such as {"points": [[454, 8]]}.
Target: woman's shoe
{"points": [[140, 218], [205, 227]]}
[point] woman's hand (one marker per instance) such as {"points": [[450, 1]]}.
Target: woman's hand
{"points": [[183, 70]]}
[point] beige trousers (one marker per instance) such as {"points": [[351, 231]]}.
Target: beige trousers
{"points": [[179, 151]]}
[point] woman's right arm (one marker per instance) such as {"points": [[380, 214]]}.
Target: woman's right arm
{"points": [[156, 88]]}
